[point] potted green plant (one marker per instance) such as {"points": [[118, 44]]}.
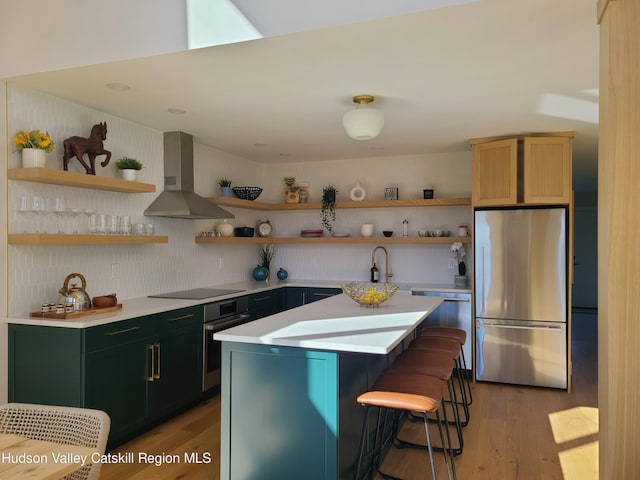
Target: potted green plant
{"points": [[262, 270], [225, 187], [129, 168], [328, 211]]}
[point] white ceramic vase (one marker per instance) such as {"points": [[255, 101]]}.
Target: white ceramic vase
{"points": [[34, 157], [129, 174]]}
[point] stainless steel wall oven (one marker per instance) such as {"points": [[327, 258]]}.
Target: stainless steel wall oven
{"points": [[219, 316]]}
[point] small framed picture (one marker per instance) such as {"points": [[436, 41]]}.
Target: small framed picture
{"points": [[391, 193]]}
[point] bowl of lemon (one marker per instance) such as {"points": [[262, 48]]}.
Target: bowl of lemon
{"points": [[369, 294]]}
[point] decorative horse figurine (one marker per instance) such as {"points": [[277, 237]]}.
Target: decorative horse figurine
{"points": [[92, 146]]}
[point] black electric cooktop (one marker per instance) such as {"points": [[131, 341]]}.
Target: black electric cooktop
{"points": [[197, 293]]}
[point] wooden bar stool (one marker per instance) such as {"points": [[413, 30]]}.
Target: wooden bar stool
{"points": [[452, 348], [408, 392], [460, 336], [433, 364]]}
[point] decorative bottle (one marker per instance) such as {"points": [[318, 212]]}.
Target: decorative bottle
{"points": [[374, 274]]}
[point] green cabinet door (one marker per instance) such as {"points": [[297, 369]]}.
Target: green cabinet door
{"points": [[116, 382], [266, 303], [294, 297], [117, 365], [313, 294], [177, 379]]}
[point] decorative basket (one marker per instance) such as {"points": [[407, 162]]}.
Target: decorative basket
{"points": [[369, 294], [247, 193]]}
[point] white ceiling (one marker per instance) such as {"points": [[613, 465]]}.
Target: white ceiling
{"points": [[441, 77]]}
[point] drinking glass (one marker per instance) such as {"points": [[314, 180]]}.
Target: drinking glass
{"points": [[39, 207], [75, 213], [112, 224], [101, 224], [125, 225], [59, 208], [24, 208]]}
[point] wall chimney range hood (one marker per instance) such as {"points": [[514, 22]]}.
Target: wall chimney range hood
{"points": [[178, 200]]}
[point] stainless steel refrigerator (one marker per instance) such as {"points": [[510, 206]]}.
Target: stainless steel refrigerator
{"points": [[521, 296]]}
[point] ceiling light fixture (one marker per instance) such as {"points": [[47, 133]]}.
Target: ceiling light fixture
{"points": [[365, 122], [118, 87]]}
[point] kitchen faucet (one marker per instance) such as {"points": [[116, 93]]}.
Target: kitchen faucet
{"points": [[387, 273]]}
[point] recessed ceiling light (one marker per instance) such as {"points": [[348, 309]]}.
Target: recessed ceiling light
{"points": [[118, 87], [177, 111]]}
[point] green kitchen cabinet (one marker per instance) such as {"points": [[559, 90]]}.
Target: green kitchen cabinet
{"points": [[313, 294], [115, 381], [294, 297], [177, 381], [298, 296], [45, 366], [139, 371], [263, 304]]}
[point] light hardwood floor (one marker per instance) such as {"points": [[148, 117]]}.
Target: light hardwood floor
{"points": [[515, 433]]}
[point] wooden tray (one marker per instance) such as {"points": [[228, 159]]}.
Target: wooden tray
{"points": [[76, 314]]}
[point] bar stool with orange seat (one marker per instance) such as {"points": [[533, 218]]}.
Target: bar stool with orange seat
{"points": [[433, 364], [460, 336], [452, 348], [409, 392]]}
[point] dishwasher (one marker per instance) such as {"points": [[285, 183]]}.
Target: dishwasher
{"points": [[454, 311]]}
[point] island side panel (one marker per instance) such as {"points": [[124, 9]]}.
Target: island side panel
{"points": [[279, 413]]}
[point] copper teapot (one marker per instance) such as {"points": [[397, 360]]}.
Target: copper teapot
{"points": [[77, 296]]}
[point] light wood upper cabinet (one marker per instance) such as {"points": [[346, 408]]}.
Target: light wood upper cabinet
{"points": [[533, 169], [547, 170], [494, 173]]}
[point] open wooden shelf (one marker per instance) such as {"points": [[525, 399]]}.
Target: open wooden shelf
{"points": [[255, 205], [330, 240], [74, 179], [82, 239]]}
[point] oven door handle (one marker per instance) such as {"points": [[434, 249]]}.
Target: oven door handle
{"points": [[217, 326]]}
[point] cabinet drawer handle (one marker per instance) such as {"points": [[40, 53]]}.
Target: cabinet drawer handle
{"points": [[261, 299], [151, 363], [119, 332], [465, 300], [323, 294], [156, 375], [183, 317]]}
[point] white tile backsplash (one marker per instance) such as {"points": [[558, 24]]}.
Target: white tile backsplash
{"points": [[35, 273]]}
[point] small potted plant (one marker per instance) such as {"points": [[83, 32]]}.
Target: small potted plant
{"points": [[34, 145], [328, 211], [262, 270], [129, 168], [225, 187]]}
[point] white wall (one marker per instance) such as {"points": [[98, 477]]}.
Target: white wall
{"points": [[42, 35]]}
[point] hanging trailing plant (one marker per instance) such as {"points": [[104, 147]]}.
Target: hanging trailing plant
{"points": [[328, 211]]}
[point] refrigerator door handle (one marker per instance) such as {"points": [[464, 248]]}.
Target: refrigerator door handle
{"points": [[481, 324]]}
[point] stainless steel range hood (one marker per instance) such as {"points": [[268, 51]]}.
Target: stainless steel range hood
{"points": [[178, 200]]}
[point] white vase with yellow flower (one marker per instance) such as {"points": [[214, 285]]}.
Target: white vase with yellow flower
{"points": [[34, 146]]}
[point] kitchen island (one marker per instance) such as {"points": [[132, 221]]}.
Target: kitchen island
{"points": [[290, 383]]}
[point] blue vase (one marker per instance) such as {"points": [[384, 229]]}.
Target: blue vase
{"points": [[282, 274], [260, 273]]}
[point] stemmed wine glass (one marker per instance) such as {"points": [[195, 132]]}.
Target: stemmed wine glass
{"points": [[39, 208], [25, 207], [75, 213], [59, 208]]}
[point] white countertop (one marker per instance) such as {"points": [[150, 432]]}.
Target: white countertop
{"points": [[138, 307], [339, 324]]}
